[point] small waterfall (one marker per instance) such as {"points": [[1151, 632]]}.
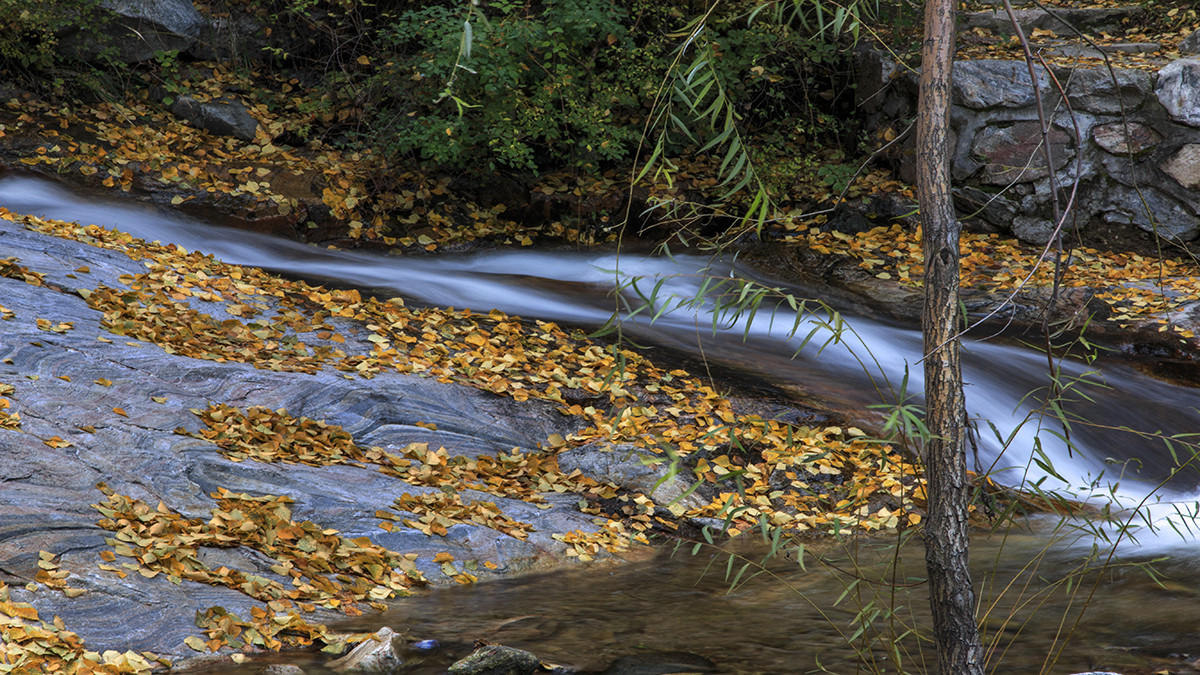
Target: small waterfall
{"points": [[857, 364]]}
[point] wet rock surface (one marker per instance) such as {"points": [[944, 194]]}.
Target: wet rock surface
{"points": [[380, 653], [635, 470], [497, 660], [119, 434]]}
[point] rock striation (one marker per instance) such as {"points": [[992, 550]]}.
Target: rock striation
{"points": [[98, 408]]}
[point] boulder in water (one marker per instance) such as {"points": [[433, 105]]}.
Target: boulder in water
{"points": [[283, 669], [379, 653], [497, 660]]}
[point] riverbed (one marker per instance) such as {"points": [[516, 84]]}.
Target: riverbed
{"points": [[663, 615]]}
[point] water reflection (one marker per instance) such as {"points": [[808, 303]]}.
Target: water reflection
{"points": [[679, 614]]}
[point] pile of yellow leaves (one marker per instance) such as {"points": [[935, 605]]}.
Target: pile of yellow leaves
{"points": [[30, 644], [8, 420], [51, 575], [438, 511], [999, 265], [799, 478], [324, 569]]}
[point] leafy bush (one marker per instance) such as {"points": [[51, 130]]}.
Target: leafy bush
{"points": [[535, 85], [513, 83], [29, 30]]}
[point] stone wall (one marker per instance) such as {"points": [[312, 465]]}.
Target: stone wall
{"points": [[1130, 137]]}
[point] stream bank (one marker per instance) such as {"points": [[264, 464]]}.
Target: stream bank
{"points": [[70, 418], [226, 371], [189, 436]]}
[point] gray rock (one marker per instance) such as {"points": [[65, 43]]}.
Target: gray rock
{"points": [[379, 653], [235, 38], [1032, 229], [224, 117], [1014, 154], [996, 209], [875, 71], [47, 494], [1088, 20], [1178, 90], [496, 660], [1191, 43], [283, 669], [1184, 165], [633, 469], [997, 163], [987, 84], [136, 30], [1094, 90], [1151, 211], [848, 219], [1079, 51], [1113, 138]]}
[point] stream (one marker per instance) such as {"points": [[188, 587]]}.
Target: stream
{"points": [[663, 615]]}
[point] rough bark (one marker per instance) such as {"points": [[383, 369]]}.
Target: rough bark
{"points": [[946, 545]]}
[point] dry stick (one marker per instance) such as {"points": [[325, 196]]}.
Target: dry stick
{"points": [[1052, 657], [1059, 220], [1048, 152], [1112, 76]]}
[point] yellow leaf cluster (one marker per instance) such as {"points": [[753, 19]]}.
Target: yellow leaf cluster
{"points": [[28, 644], [51, 575], [1136, 287], [324, 569], [9, 419], [10, 267], [437, 511]]}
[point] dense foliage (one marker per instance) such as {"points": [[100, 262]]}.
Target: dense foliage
{"points": [[538, 85], [523, 85]]}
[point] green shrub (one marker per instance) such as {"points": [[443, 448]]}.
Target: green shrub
{"points": [[29, 30], [510, 84], [538, 85]]}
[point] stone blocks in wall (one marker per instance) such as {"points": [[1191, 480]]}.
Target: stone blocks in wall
{"points": [[1128, 139], [1178, 91]]}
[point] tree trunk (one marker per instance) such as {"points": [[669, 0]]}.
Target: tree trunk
{"points": [[951, 595]]}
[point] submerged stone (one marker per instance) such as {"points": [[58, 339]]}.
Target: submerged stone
{"points": [[496, 660], [379, 653]]}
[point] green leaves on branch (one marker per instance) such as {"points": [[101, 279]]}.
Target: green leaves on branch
{"points": [[501, 84], [702, 107], [826, 19]]}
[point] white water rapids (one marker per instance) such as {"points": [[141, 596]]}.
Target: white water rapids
{"points": [[1107, 465]]}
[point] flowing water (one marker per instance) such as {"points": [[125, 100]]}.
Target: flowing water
{"points": [[591, 614]]}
